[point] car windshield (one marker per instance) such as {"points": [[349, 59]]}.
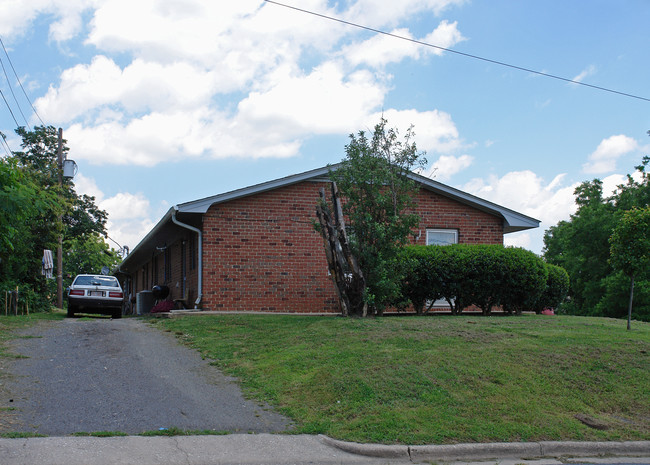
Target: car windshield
{"points": [[110, 281]]}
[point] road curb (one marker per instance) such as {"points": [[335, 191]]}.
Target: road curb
{"points": [[480, 451], [369, 450], [578, 448]]}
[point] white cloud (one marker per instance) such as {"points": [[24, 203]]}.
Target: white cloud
{"points": [[588, 71], [528, 193], [446, 35], [17, 15], [518, 239], [129, 233], [161, 137], [603, 159], [448, 165], [141, 86], [380, 50], [125, 205], [435, 131], [313, 102], [129, 215], [215, 79], [375, 13], [241, 39], [611, 182]]}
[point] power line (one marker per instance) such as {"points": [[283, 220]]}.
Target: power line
{"points": [[468, 55], [12, 92], [5, 145], [7, 103], [20, 83]]}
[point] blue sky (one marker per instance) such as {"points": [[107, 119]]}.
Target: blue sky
{"points": [[168, 101]]}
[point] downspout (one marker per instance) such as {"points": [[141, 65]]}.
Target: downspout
{"points": [[200, 252]]}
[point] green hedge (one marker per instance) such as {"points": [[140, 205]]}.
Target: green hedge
{"points": [[556, 290], [487, 276]]}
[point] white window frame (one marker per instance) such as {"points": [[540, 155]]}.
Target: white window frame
{"points": [[452, 232]]}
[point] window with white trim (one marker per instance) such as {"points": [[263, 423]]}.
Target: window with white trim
{"points": [[442, 236]]}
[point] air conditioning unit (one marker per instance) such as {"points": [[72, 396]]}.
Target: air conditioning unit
{"points": [[144, 301]]}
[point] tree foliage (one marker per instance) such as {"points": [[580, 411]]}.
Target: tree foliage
{"points": [[581, 245], [630, 247], [630, 242], [31, 203], [378, 196]]}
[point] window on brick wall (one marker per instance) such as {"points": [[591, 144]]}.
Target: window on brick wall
{"points": [[168, 265], [442, 236], [155, 270], [183, 269]]}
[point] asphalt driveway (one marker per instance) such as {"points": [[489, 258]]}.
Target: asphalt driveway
{"points": [[90, 375]]}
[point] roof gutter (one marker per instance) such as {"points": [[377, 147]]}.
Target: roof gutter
{"points": [[200, 252]]}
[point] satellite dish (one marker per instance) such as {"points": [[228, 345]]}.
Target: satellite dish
{"points": [[105, 270]]}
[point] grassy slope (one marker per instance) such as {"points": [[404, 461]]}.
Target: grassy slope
{"points": [[439, 379]]}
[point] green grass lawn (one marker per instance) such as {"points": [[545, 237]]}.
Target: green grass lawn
{"points": [[427, 380], [440, 379]]}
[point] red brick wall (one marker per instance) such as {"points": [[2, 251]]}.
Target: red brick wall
{"points": [[261, 252], [473, 226]]}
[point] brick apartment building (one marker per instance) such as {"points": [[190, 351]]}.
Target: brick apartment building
{"points": [[255, 249]]}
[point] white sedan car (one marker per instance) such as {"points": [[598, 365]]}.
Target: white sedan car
{"points": [[91, 293]]}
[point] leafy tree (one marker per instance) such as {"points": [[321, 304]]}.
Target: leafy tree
{"points": [[88, 255], [373, 180], [630, 247], [31, 203], [39, 155], [24, 211], [581, 245]]}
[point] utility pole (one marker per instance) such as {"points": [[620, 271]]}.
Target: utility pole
{"points": [[59, 250]]}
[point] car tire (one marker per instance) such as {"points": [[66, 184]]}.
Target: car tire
{"points": [[71, 311], [117, 313]]}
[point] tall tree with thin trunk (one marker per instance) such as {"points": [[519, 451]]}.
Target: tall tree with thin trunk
{"points": [[630, 247]]}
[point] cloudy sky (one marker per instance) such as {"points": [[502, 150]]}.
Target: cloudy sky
{"points": [[167, 101]]}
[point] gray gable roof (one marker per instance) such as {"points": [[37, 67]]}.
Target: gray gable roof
{"points": [[513, 221], [190, 212]]}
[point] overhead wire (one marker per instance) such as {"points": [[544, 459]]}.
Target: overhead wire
{"points": [[5, 145], [13, 94], [9, 108], [468, 55], [19, 82]]}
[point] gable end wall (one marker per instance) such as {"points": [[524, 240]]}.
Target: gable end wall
{"points": [[262, 254]]}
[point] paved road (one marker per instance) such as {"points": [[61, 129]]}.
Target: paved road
{"points": [[89, 375]]}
